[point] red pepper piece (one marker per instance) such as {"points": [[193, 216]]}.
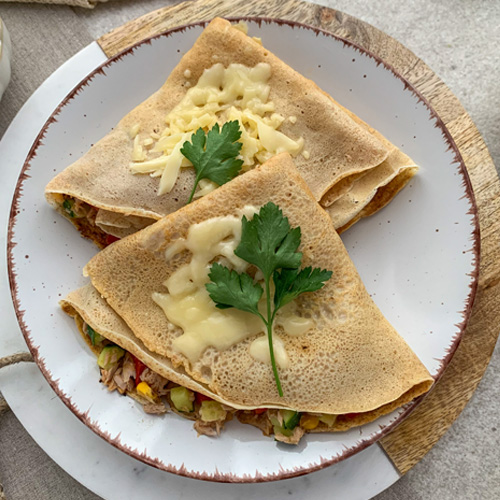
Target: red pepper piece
{"points": [[139, 368], [111, 239], [201, 397], [351, 415], [260, 411]]}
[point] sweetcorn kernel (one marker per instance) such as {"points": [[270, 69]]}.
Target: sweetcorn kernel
{"points": [[146, 391]]}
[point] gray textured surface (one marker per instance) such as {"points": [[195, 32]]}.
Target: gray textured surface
{"points": [[459, 40]]}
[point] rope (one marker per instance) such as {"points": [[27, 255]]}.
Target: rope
{"points": [[15, 358], [11, 360], [4, 407]]}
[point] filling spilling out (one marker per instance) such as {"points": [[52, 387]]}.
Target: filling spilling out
{"points": [[101, 226], [83, 216], [121, 371]]}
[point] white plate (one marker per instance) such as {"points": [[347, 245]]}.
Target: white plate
{"points": [[418, 257]]}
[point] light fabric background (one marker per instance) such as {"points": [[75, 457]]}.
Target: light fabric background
{"points": [[459, 40], [89, 4]]}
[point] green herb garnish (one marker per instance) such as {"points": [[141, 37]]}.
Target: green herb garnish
{"points": [[68, 207], [213, 155], [270, 244]]}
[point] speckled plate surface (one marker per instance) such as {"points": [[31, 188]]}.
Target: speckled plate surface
{"points": [[417, 257]]}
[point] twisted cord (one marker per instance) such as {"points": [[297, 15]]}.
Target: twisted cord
{"points": [[15, 358], [6, 361]]}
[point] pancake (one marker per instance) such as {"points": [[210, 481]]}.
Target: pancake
{"points": [[332, 147], [350, 363]]}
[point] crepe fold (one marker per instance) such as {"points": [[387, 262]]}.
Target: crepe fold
{"points": [[341, 149], [350, 361]]}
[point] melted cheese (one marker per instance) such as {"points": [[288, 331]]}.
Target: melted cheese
{"points": [[259, 350], [221, 94], [189, 306]]}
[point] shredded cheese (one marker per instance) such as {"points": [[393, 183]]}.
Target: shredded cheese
{"points": [[134, 130], [221, 94]]}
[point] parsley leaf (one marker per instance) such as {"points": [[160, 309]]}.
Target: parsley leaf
{"points": [[269, 243], [290, 283], [231, 289], [214, 155]]}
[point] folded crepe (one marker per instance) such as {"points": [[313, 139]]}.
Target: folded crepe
{"points": [[136, 174], [349, 362]]}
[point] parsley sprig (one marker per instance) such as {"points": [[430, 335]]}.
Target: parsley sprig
{"points": [[270, 244], [213, 155]]}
